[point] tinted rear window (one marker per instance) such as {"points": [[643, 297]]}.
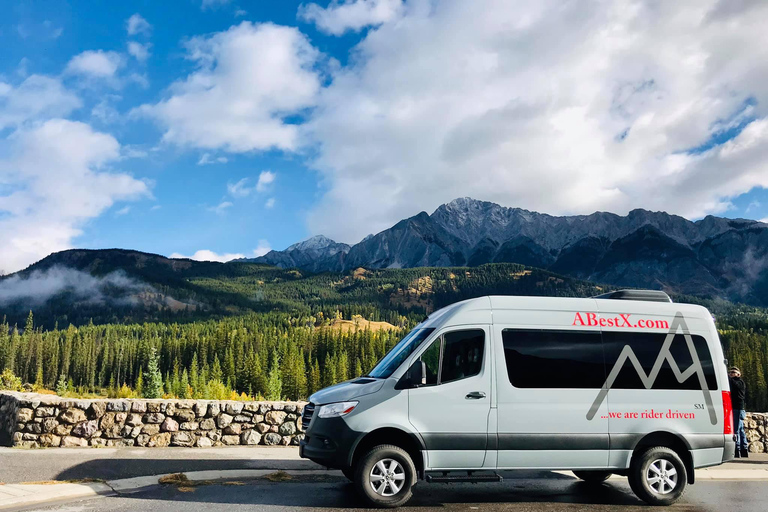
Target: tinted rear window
{"points": [[554, 359], [582, 359], [647, 348]]}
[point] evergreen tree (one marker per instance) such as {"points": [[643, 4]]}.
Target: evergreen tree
{"points": [[154, 386], [274, 390]]}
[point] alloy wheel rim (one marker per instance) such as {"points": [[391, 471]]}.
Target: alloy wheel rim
{"points": [[661, 476], [387, 477]]}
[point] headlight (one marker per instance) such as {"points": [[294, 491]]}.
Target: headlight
{"points": [[336, 410]]}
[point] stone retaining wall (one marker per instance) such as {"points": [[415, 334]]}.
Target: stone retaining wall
{"points": [[756, 427], [32, 420]]}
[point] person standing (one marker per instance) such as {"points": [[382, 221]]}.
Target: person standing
{"points": [[738, 401]]}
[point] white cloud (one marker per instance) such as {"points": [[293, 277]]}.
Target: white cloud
{"points": [[207, 159], [54, 179], [104, 110], [249, 79], [136, 24], [243, 189], [95, 63], [239, 189], [262, 249], [562, 108], [42, 285], [123, 211], [270, 203], [221, 208], [139, 51], [206, 255], [37, 97], [341, 16], [156, 207], [266, 178]]}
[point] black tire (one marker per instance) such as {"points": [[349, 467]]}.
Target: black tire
{"points": [[349, 473], [403, 474], [661, 461], [593, 477]]}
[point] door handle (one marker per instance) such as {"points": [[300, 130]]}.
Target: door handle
{"points": [[474, 395]]}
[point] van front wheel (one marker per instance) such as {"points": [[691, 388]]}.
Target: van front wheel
{"points": [[658, 476], [384, 476], [593, 477]]}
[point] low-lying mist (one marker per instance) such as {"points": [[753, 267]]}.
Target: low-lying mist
{"points": [[41, 285]]}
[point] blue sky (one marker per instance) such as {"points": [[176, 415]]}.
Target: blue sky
{"points": [[41, 37], [233, 126]]}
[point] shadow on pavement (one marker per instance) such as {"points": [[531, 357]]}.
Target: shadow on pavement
{"points": [[332, 493], [116, 468]]}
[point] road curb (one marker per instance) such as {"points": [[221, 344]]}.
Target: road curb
{"points": [[28, 495]]}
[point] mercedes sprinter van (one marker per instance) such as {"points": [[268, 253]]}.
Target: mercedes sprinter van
{"points": [[625, 383]]}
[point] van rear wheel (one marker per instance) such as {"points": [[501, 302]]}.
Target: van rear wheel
{"points": [[658, 476], [593, 477], [384, 476]]}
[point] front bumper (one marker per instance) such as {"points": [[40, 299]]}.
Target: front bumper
{"points": [[329, 442]]}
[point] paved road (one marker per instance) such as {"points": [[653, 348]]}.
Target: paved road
{"points": [[521, 492], [17, 465]]}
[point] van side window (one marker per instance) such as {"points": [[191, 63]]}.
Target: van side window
{"points": [[431, 359], [553, 359], [647, 347], [462, 354]]}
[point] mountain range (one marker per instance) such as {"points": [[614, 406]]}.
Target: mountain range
{"points": [[713, 257]]}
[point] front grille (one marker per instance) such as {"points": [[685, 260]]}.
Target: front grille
{"points": [[306, 416]]}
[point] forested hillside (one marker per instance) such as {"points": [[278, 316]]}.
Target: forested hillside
{"points": [[270, 332], [119, 286]]}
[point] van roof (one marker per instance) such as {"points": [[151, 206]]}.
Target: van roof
{"points": [[479, 310]]}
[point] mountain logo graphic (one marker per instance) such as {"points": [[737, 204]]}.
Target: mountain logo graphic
{"points": [[678, 324]]}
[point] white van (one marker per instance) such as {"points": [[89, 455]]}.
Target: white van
{"points": [[627, 383]]}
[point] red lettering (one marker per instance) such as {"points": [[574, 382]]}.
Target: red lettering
{"points": [[602, 322], [625, 318], [578, 320], [592, 319]]}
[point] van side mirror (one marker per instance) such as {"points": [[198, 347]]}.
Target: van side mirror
{"points": [[415, 376]]}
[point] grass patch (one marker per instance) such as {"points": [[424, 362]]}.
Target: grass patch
{"points": [[279, 476]]}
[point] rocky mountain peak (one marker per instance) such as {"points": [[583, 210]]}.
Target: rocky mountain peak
{"points": [[316, 242]]}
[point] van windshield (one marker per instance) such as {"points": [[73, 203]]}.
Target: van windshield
{"points": [[399, 353]]}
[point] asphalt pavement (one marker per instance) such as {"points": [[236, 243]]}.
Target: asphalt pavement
{"points": [[524, 491], [19, 465]]}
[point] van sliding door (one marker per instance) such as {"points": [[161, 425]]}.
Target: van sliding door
{"points": [[547, 378]]}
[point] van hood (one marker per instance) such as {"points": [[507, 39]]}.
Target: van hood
{"points": [[348, 390]]}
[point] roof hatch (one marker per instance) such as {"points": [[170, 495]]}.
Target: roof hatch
{"points": [[646, 295]]}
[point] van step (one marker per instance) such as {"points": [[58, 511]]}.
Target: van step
{"points": [[445, 478]]}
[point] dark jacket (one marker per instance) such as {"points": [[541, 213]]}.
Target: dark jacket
{"points": [[738, 393]]}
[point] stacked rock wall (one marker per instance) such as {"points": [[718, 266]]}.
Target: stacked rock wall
{"points": [[755, 426], [31, 420]]}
